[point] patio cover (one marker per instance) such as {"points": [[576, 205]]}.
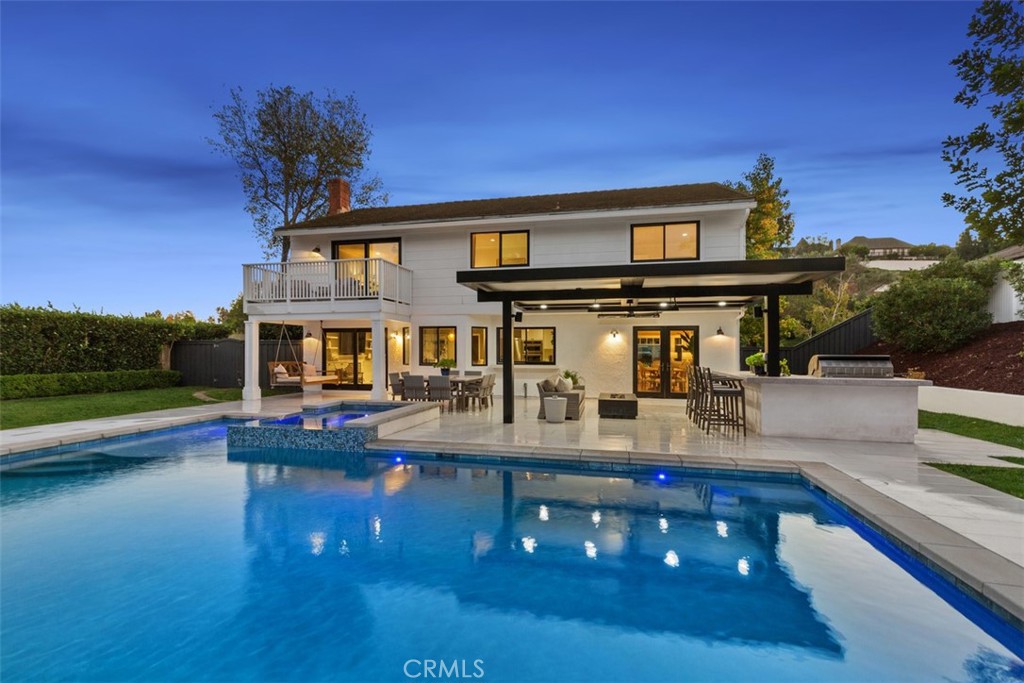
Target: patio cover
{"points": [[639, 287]]}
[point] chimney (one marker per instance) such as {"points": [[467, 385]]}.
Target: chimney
{"points": [[339, 196]]}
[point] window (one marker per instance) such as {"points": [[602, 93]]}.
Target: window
{"points": [[530, 345], [436, 343], [479, 346], [387, 249], [406, 345], [666, 241], [499, 249]]}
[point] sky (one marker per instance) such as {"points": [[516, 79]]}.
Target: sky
{"points": [[112, 200]]}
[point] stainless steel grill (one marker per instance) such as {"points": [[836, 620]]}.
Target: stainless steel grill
{"points": [[824, 365]]}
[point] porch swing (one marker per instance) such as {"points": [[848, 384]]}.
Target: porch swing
{"points": [[294, 372]]}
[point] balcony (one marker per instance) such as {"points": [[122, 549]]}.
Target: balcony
{"points": [[338, 286]]}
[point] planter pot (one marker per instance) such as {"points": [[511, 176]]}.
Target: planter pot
{"points": [[759, 369], [554, 408], [446, 371]]}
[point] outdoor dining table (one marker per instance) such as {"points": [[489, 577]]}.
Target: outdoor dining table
{"points": [[459, 385]]}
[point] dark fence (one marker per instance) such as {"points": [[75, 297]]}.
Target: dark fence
{"points": [[849, 336], [221, 362]]}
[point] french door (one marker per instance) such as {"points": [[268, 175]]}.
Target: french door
{"points": [[662, 357], [349, 351]]}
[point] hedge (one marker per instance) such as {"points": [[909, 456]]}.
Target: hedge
{"points": [[67, 383], [48, 341]]}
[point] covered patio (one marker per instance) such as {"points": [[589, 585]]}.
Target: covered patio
{"points": [[646, 288]]}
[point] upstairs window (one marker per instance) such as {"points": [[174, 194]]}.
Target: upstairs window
{"points": [[499, 249], [666, 242]]}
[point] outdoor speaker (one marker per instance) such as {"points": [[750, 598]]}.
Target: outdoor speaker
{"points": [[758, 312], [517, 316]]}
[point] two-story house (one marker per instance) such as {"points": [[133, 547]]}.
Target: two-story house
{"points": [[627, 287]]}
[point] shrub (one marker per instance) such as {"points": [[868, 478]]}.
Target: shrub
{"points": [[45, 340], [931, 314], [64, 384]]}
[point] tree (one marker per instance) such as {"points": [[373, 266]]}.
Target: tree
{"points": [[991, 70], [969, 247], [770, 223], [232, 317], [287, 146]]}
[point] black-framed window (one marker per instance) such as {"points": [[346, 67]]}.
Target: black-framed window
{"points": [[665, 241], [499, 249], [530, 345], [478, 344], [437, 343], [389, 249], [406, 345]]}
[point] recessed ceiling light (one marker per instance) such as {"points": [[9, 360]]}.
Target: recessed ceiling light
{"points": [[721, 303], [664, 304], [543, 307], [595, 305]]}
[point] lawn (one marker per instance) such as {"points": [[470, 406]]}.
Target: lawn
{"points": [[37, 411], [1006, 479], [995, 432]]}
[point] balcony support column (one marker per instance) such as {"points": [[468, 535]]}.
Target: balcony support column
{"points": [[251, 388], [379, 347]]}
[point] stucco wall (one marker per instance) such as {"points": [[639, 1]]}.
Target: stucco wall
{"points": [[987, 405]]}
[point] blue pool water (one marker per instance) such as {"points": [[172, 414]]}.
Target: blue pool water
{"points": [[315, 420], [166, 558]]}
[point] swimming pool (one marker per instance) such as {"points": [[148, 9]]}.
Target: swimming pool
{"points": [[333, 420], [162, 558]]}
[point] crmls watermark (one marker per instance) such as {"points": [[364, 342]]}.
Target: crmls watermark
{"points": [[439, 668]]}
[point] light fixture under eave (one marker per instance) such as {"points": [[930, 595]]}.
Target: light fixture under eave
{"points": [[721, 303], [719, 333], [543, 307], [630, 314], [615, 334], [595, 305]]}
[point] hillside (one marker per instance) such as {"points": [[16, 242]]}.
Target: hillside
{"points": [[992, 362]]}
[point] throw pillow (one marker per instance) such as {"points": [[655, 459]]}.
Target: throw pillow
{"points": [[280, 370], [564, 384], [548, 386]]}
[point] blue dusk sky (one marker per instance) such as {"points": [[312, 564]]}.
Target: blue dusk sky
{"points": [[112, 199]]}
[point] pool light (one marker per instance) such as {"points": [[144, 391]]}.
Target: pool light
{"points": [[661, 476], [398, 458]]}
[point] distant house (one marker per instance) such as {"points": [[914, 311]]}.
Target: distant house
{"points": [[882, 246]]}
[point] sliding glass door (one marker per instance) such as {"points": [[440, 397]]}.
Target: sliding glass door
{"points": [[349, 352]]}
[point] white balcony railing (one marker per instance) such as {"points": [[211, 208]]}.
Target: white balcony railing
{"points": [[345, 280]]}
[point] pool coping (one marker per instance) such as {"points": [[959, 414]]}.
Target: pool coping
{"points": [[990, 579], [987, 577]]}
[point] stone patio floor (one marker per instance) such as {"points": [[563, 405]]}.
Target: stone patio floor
{"points": [[971, 531]]}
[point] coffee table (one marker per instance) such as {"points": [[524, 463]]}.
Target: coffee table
{"points": [[621, 406]]}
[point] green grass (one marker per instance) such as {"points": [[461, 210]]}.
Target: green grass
{"points": [[27, 412], [1006, 479], [995, 432]]}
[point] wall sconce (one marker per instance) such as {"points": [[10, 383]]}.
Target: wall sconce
{"points": [[309, 335], [615, 334], [720, 333], [316, 249]]}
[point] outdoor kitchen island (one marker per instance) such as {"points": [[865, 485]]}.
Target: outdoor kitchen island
{"points": [[849, 408]]}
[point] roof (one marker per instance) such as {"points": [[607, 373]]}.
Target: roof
{"points": [[601, 200], [1014, 253], [880, 242]]}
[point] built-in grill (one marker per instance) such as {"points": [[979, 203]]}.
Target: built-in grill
{"points": [[832, 365]]}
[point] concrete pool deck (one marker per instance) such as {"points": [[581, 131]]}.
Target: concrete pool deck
{"points": [[969, 532]]}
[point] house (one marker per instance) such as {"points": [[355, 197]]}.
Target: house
{"points": [[882, 246], [627, 287]]}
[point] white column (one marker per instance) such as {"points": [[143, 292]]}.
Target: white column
{"points": [[379, 346], [251, 389]]}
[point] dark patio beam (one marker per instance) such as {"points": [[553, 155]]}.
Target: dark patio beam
{"points": [[647, 292]]}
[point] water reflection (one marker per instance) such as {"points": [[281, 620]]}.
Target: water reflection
{"points": [[696, 558]]}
